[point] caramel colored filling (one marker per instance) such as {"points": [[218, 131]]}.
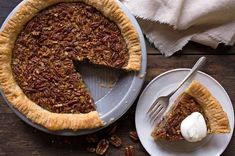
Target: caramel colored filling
{"points": [[169, 127]]}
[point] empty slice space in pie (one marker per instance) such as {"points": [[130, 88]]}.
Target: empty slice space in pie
{"points": [[42, 82]]}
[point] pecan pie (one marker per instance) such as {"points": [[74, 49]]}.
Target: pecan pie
{"points": [[196, 98], [38, 46]]}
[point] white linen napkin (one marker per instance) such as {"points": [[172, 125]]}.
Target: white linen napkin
{"points": [[170, 24]]}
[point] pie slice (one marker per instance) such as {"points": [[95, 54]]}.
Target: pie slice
{"points": [[38, 46], [196, 98]]}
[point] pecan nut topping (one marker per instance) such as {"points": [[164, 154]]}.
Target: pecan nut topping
{"points": [[102, 147], [43, 55], [169, 128]]}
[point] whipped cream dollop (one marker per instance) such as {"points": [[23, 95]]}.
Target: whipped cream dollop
{"points": [[193, 127]]}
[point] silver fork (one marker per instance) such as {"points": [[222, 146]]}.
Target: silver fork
{"points": [[160, 105]]}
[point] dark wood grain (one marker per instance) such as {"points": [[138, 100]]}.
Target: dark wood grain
{"points": [[18, 138]]}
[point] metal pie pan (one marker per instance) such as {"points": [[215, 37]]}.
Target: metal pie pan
{"points": [[113, 91]]}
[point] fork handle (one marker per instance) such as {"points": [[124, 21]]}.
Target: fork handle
{"points": [[201, 61]]}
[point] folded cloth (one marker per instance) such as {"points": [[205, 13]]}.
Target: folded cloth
{"points": [[170, 24]]}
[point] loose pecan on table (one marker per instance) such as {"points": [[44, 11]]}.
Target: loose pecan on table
{"points": [[129, 151], [115, 141], [102, 147], [133, 135]]}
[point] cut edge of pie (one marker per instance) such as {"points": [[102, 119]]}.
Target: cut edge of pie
{"points": [[215, 117], [15, 95]]}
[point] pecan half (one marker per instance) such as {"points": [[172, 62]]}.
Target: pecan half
{"points": [[115, 141], [133, 135], [102, 147], [129, 151]]}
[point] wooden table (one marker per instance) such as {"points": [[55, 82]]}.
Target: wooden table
{"points": [[18, 138]]}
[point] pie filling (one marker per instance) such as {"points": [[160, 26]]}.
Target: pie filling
{"points": [[169, 127], [43, 55]]}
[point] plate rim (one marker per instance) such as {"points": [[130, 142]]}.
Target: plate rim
{"points": [[187, 69], [135, 90]]}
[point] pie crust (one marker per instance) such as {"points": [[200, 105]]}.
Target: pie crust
{"points": [[14, 94]]}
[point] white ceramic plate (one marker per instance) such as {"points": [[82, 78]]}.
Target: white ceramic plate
{"points": [[212, 145]]}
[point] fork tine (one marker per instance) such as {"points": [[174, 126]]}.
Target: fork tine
{"points": [[157, 105], [153, 105], [153, 118], [155, 113]]}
